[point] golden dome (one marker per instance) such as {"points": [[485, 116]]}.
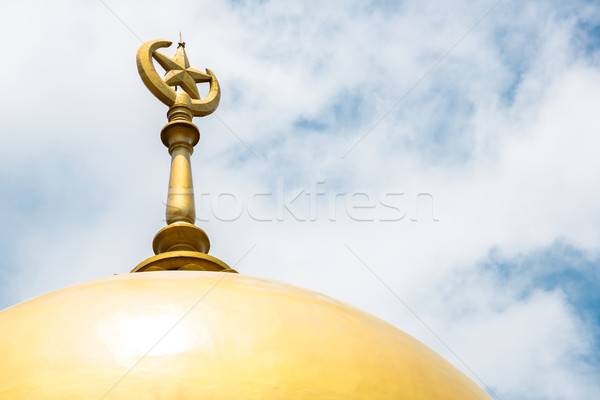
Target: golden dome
{"points": [[220, 336]]}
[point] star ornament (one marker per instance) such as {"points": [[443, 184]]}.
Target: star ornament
{"points": [[179, 73]]}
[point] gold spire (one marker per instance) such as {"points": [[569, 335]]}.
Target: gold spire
{"points": [[180, 245]]}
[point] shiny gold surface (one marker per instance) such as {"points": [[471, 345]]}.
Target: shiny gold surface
{"points": [[224, 336], [180, 136]]}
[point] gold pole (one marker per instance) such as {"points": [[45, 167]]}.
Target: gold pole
{"points": [[180, 136]]}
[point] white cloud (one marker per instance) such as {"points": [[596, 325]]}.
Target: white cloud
{"points": [[502, 134]]}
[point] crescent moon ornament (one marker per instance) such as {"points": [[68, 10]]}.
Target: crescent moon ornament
{"points": [[178, 74]]}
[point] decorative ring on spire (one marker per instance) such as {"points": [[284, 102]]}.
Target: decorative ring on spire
{"points": [[178, 73]]}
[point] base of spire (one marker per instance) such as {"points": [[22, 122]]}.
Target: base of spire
{"points": [[180, 236], [182, 261]]}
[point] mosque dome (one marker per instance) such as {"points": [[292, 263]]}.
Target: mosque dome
{"points": [[213, 335], [184, 325]]}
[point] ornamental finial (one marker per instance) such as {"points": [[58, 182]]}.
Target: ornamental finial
{"points": [[180, 245], [178, 74]]}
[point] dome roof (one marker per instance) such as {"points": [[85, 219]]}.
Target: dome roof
{"points": [[220, 336]]}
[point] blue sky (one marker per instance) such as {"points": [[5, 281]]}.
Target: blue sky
{"points": [[495, 119]]}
